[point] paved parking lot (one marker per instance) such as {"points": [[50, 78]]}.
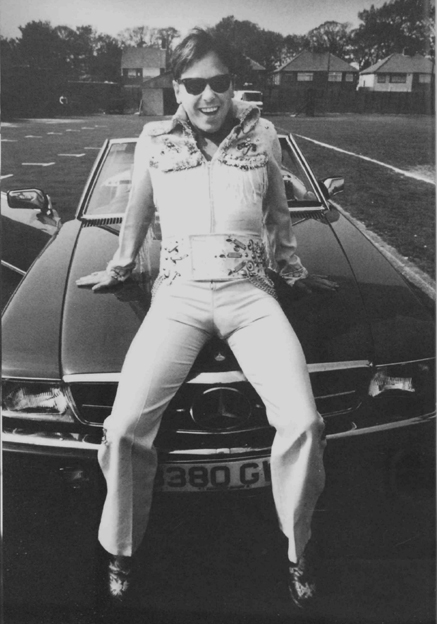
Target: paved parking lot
{"points": [[212, 559], [221, 559]]}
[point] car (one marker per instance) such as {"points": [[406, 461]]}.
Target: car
{"points": [[247, 95], [30, 217], [369, 344]]}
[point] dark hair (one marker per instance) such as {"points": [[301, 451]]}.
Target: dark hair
{"points": [[196, 45]]}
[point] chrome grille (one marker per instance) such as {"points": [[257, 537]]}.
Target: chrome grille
{"points": [[338, 394], [93, 401]]}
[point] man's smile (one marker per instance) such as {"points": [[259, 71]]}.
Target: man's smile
{"points": [[209, 110]]}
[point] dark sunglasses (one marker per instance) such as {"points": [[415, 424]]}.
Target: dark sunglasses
{"points": [[196, 86]]}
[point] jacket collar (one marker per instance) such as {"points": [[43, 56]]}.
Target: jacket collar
{"points": [[247, 115]]}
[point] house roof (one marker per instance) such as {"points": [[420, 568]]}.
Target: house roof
{"points": [[316, 61], [164, 81], [255, 66], [143, 57], [400, 63]]}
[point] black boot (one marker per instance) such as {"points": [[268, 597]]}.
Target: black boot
{"points": [[113, 582], [119, 578], [302, 579]]}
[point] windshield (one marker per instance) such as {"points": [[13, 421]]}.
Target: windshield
{"points": [[111, 188], [254, 96], [298, 187]]}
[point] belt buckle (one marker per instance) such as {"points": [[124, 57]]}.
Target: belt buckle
{"points": [[208, 257], [221, 256]]}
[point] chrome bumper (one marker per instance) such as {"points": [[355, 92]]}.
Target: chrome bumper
{"points": [[49, 444], [77, 446]]}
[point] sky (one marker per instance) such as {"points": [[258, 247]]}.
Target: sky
{"points": [[112, 16]]}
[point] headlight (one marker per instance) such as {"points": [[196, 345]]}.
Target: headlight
{"points": [[401, 391], [383, 381], [36, 401]]}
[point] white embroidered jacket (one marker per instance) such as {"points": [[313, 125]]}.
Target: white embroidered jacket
{"points": [[239, 191]]}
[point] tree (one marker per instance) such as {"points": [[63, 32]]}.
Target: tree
{"points": [[167, 37], [144, 36], [14, 94], [106, 60], [8, 51], [76, 49], [331, 36], [41, 48], [293, 44], [263, 46], [398, 26], [137, 37]]}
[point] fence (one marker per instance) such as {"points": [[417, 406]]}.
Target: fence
{"points": [[350, 101]]}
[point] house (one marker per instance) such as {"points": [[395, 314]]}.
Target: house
{"points": [[137, 66], [400, 73], [140, 64], [317, 70], [310, 81], [258, 76], [157, 96]]}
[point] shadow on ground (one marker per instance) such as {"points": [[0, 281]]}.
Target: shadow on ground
{"points": [[216, 559]]}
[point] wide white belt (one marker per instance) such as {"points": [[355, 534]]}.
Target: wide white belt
{"points": [[216, 257]]}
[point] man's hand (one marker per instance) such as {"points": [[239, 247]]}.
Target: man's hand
{"points": [[98, 281], [312, 283]]}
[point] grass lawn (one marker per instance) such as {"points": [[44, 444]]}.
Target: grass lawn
{"points": [[405, 141], [401, 210]]}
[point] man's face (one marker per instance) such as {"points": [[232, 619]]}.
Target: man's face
{"points": [[209, 110]]}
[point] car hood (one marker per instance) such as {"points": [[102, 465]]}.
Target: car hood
{"points": [[402, 324], [97, 328], [52, 328]]}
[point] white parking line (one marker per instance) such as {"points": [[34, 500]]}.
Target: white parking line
{"points": [[416, 176], [9, 175], [55, 122], [72, 155], [32, 136], [87, 128], [31, 164], [54, 132], [71, 130], [9, 140]]}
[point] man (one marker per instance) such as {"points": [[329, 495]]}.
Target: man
{"points": [[212, 174]]}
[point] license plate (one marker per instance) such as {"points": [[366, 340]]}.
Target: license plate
{"points": [[213, 476]]}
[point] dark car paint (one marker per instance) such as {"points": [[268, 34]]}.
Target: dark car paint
{"points": [[53, 329], [24, 234], [33, 317], [402, 327], [78, 331], [24, 242], [97, 329], [331, 325]]}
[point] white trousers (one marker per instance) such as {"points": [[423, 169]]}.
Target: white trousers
{"points": [[183, 316]]}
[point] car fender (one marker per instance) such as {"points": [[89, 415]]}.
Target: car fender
{"points": [[33, 316]]}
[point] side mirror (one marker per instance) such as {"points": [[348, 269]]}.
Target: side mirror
{"points": [[331, 186], [40, 203], [34, 199]]}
